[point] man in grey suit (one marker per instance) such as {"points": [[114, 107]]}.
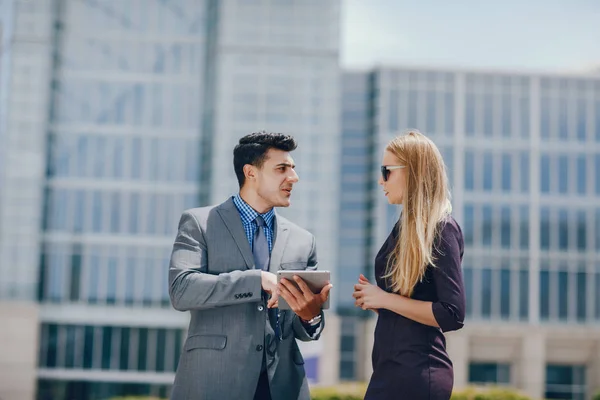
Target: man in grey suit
{"points": [[240, 345]]}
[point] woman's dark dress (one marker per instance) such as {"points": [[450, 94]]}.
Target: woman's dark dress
{"points": [[409, 359]]}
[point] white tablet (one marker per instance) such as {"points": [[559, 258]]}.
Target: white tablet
{"points": [[315, 280]]}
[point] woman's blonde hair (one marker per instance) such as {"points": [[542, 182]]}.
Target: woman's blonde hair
{"points": [[426, 204]]}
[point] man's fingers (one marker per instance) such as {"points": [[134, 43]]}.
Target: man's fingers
{"points": [[306, 292], [325, 292], [289, 297], [291, 288], [359, 286]]}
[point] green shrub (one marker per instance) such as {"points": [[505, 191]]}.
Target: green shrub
{"points": [[491, 393], [136, 398], [347, 391], [357, 391]]}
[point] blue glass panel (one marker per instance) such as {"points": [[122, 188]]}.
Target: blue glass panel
{"points": [[506, 172], [545, 173], [488, 171], [486, 292], [470, 170], [544, 294], [505, 293], [563, 174]]}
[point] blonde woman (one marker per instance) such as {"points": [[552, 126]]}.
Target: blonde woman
{"points": [[419, 292]]}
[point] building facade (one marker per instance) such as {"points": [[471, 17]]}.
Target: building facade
{"points": [[120, 115], [523, 158]]}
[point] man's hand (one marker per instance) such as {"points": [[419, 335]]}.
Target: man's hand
{"points": [[269, 285], [303, 302]]}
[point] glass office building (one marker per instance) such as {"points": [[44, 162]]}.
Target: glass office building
{"points": [[523, 157], [120, 115]]}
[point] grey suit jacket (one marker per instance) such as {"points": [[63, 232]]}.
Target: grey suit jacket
{"points": [[212, 275]]}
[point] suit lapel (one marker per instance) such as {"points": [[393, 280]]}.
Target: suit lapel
{"points": [[279, 241], [231, 217]]}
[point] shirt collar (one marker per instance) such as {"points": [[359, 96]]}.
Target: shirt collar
{"points": [[249, 214]]}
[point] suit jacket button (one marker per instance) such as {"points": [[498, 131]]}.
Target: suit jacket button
{"points": [[259, 347], [260, 308]]}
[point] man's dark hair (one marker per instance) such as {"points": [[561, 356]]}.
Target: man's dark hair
{"points": [[252, 149]]}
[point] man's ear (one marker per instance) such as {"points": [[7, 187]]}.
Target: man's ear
{"points": [[249, 172]]}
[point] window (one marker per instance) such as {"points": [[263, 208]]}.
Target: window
{"points": [[488, 114], [449, 113], [524, 227], [393, 110], [505, 292], [470, 171], [581, 174], [524, 171], [563, 125], [486, 295], [470, 115], [581, 120], [489, 373], [597, 170], [563, 174], [488, 225], [565, 382], [544, 293], [545, 228], [581, 293], [469, 224], [87, 390], [488, 174], [505, 227], [563, 292], [524, 292], [563, 229], [506, 115], [348, 349], [431, 120], [597, 118], [545, 118], [506, 172], [468, 278], [524, 116], [581, 231], [545, 173]]}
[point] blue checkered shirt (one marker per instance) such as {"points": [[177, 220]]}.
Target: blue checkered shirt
{"points": [[249, 215]]}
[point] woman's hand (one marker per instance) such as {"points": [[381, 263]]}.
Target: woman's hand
{"points": [[368, 296]]}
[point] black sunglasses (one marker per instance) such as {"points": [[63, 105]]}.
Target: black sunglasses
{"points": [[385, 170]]}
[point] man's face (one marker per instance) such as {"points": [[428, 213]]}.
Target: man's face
{"points": [[275, 179]]}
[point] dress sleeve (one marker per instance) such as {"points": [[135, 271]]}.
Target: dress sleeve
{"points": [[449, 309]]}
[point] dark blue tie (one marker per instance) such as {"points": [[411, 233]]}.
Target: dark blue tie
{"points": [[262, 257], [260, 247]]}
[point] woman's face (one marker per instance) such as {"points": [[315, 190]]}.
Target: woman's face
{"points": [[392, 179]]}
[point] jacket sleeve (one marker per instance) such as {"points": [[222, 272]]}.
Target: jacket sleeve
{"points": [[300, 331], [191, 287]]}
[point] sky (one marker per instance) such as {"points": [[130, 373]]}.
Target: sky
{"points": [[543, 35]]}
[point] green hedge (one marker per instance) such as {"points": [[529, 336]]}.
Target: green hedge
{"points": [[136, 398], [492, 393], [357, 392]]}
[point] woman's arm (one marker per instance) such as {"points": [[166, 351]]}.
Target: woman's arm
{"points": [[448, 311], [417, 310]]}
